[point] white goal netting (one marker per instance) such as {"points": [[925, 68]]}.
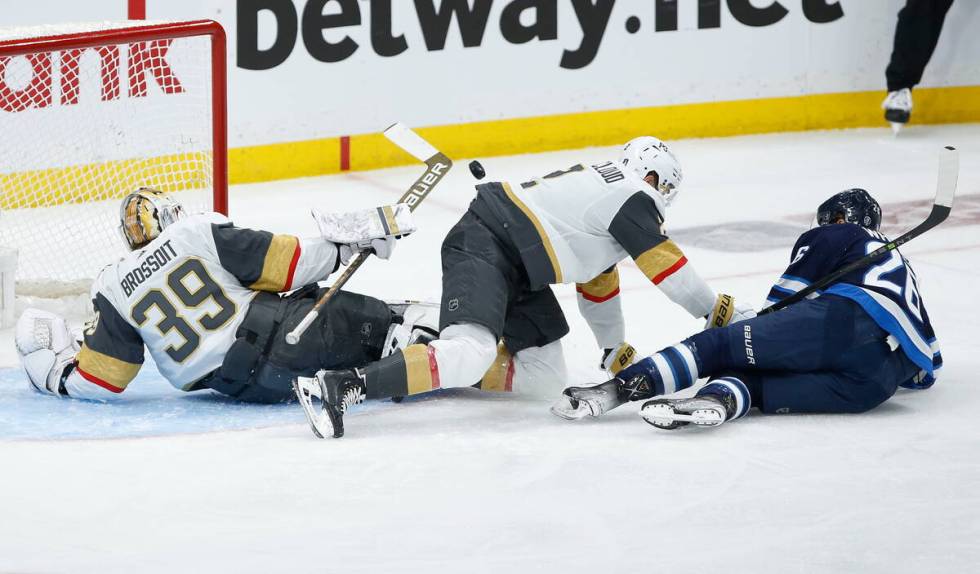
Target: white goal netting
{"points": [[80, 128]]}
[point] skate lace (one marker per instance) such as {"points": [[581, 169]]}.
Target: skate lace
{"points": [[352, 396], [900, 100]]}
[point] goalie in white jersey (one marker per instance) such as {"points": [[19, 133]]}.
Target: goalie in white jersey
{"points": [[498, 311], [203, 296]]}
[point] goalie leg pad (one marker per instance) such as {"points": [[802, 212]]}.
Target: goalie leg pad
{"points": [[46, 347]]}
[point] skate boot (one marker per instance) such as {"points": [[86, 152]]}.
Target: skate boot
{"points": [[898, 108], [594, 401], [719, 401], [325, 398]]}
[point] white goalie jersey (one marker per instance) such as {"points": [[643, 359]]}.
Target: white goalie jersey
{"points": [[183, 297]]}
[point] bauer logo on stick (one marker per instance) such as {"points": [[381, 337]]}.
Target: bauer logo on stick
{"points": [[425, 184]]}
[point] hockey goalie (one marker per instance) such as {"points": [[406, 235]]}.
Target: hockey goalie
{"points": [[207, 300]]}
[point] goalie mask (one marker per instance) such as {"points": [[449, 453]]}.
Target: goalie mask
{"points": [[647, 154], [145, 213]]}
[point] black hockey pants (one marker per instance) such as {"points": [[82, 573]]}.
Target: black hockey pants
{"points": [[919, 24], [260, 366]]}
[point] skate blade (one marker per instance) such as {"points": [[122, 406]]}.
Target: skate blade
{"points": [[307, 389], [664, 416], [896, 128], [564, 408]]}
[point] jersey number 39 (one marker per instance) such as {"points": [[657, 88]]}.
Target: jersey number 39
{"points": [[189, 298]]}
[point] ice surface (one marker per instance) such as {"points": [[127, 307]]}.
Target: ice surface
{"points": [[470, 482]]}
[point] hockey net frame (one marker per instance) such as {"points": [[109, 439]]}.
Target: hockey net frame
{"points": [[53, 39]]}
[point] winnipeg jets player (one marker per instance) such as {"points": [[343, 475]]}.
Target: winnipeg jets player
{"points": [[203, 297], [517, 239], [845, 351]]}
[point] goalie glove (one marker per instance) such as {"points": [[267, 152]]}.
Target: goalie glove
{"points": [[617, 359], [47, 349], [368, 230], [726, 312]]}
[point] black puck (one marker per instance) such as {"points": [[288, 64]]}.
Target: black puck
{"points": [[476, 168]]}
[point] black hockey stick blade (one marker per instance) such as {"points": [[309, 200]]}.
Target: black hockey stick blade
{"points": [[949, 169]]}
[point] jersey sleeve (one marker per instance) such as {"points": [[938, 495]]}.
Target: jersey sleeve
{"points": [[266, 262], [111, 355], [637, 227], [599, 303]]}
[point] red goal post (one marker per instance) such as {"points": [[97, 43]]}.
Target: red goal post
{"points": [[91, 111]]}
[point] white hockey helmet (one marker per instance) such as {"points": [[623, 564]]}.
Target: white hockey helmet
{"points": [[145, 213], [647, 154]]}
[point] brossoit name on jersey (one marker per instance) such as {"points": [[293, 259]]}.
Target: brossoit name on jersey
{"points": [[152, 263]]}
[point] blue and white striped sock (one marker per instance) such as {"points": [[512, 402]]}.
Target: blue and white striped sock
{"points": [[671, 370], [730, 387], [677, 367]]}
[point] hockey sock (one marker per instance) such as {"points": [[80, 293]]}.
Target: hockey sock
{"points": [[732, 389], [671, 370], [404, 373], [500, 376]]}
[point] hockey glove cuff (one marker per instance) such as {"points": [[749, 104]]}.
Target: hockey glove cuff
{"points": [[616, 359], [726, 311]]}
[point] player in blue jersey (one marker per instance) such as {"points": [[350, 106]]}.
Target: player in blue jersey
{"points": [[844, 350]]}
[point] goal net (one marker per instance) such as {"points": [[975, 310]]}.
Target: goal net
{"points": [[91, 112]]}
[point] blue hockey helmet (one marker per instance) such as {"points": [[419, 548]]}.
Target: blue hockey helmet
{"points": [[854, 206]]}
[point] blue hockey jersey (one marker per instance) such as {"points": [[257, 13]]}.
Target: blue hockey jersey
{"points": [[886, 290]]}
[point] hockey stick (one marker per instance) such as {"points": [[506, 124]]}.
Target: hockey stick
{"points": [[949, 168], [437, 166], [608, 397]]}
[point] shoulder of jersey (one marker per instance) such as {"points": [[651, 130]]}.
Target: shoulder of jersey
{"points": [[636, 184], [209, 217], [198, 223], [98, 285], [836, 232]]}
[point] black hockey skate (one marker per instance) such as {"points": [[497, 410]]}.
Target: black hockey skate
{"points": [[596, 400], [898, 108], [335, 391], [704, 410]]}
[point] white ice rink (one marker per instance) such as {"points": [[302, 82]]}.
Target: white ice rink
{"points": [[465, 482]]}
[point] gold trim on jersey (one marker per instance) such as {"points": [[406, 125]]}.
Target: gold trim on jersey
{"points": [[500, 376], [545, 240], [600, 288], [660, 261], [278, 265], [420, 371], [115, 372]]}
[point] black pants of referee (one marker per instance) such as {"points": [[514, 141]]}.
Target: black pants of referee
{"points": [[919, 24]]}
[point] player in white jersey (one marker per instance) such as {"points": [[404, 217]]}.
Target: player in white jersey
{"points": [[517, 239], [203, 296]]}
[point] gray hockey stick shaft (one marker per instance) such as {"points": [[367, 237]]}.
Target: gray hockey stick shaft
{"points": [[949, 169], [437, 166]]}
